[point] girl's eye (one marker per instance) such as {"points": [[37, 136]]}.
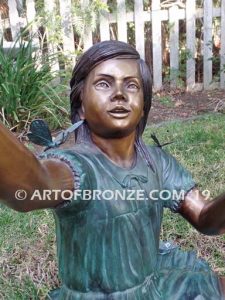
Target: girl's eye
{"points": [[102, 84], [133, 86]]}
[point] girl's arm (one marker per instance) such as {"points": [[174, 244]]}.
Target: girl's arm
{"points": [[21, 171], [206, 216]]}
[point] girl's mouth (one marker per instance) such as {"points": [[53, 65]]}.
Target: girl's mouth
{"points": [[119, 112]]}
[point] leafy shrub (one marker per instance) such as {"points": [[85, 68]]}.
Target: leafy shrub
{"points": [[27, 89]]}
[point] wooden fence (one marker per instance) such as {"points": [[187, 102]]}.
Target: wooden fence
{"points": [[154, 17]]}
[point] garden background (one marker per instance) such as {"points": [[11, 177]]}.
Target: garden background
{"points": [[183, 42]]}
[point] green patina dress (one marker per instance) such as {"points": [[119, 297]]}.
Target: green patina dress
{"points": [[110, 249]]}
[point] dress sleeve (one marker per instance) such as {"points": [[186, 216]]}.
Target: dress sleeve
{"points": [[176, 181], [83, 176]]}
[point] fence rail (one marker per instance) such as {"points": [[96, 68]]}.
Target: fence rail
{"points": [[141, 18]]}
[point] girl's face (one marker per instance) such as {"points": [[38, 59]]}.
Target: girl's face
{"points": [[112, 98]]}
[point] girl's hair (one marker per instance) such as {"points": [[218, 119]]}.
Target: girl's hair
{"points": [[89, 60]]}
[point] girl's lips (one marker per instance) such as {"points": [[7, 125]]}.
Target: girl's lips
{"points": [[119, 112], [119, 109], [119, 115]]}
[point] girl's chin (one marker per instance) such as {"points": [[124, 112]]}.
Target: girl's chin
{"points": [[113, 134]]}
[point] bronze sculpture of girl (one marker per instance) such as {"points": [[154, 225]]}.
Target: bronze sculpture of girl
{"points": [[110, 248]]}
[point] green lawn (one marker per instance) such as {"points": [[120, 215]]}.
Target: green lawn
{"points": [[28, 265]]}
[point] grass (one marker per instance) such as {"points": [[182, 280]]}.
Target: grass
{"points": [[166, 101], [27, 262], [28, 266]]}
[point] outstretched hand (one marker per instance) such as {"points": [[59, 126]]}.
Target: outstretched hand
{"points": [[20, 171], [206, 216]]}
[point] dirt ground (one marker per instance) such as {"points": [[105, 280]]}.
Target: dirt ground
{"points": [[180, 105]]}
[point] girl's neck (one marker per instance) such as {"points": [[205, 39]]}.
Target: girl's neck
{"points": [[120, 150]]}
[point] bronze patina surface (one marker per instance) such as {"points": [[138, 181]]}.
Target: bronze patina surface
{"points": [[110, 248]]}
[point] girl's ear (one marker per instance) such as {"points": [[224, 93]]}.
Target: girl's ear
{"points": [[81, 110]]}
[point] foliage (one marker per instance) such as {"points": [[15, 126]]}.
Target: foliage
{"points": [[178, 76], [49, 24], [82, 16], [216, 3], [87, 16], [26, 87]]}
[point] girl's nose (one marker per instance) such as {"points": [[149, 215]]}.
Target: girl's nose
{"points": [[118, 93]]}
